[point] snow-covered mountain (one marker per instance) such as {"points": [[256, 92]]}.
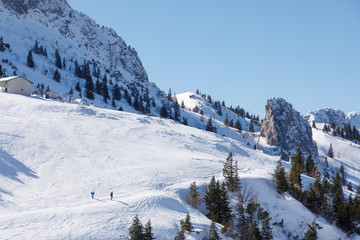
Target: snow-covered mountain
{"points": [[329, 115], [45, 27], [53, 154]]}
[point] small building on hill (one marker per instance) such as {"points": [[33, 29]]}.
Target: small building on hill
{"points": [[16, 85]]}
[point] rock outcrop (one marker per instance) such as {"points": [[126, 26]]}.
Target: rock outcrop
{"points": [[285, 128]]}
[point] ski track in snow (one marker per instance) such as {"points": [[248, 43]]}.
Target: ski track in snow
{"points": [[61, 152]]}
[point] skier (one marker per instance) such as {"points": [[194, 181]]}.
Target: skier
{"points": [[111, 195], [92, 194]]}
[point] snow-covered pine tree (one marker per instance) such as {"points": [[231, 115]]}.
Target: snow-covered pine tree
{"points": [[232, 181], [148, 235], [193, 198], [280, 178]]}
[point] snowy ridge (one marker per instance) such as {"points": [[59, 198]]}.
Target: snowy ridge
{"points": [[329, 115], [192, 100], [148, 162]]}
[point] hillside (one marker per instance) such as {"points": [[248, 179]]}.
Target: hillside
{"points": [[54, 154]]}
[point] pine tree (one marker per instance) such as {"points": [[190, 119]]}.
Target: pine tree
{"points": [[176, 110], [213, 235], [311, 233], [219, 112], [309, 165], [136, 230], [30, 60], [116, 92], [229, 172], [89, 86], [58, 59], [338, 197], [238, 126], [231, 123], [186, 224], [98, 87], [331, 151], [224, 205], [182, 104], [266, 231], [164, 111], [241, 220], [211, 199], [57, 76], [180, 235], [255, 232], [193, 197], [77, 87], [169, 95], [105, 90], [342, 175], [226, 121], [280, 178], [209, 127], [2, 48], [148, 235], [295, 171]]}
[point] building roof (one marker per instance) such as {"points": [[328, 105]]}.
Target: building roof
{"points": [[13, 77]]}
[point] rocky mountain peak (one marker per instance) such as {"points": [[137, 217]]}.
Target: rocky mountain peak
{"points": [[23, 6], [285, 128]]}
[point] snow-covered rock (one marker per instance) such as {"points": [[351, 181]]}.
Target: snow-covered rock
{"points": [[329, 115], [284, 127]]}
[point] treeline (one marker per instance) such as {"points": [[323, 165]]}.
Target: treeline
{"points": [[103, 85], [3, 47], [255, 119], [322, 197], [346, 132]]}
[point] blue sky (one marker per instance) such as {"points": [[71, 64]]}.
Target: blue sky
{"points": [[244, 51]]}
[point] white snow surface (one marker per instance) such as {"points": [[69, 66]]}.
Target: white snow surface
{"points": [[53, 154], [346, 153]]}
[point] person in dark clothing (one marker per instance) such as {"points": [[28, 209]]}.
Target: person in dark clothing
{"points": [[111, 195], [92, 194]]}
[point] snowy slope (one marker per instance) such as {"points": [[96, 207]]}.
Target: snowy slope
{"points": [[346, 153], [53, 154], [191, 100]]}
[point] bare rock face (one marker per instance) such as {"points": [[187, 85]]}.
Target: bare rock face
{"points": [[23, 6], [285, 128]]}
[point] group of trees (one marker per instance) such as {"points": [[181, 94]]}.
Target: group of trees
{"points": [[346, 132], [138, 232], [39, 49], [238, 110], [322, 197], [245, 221], [2, 45]]}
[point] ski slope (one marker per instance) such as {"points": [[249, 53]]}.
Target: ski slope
{"points": [[53, 154]]}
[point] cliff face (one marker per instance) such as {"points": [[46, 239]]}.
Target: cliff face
{"points": [[284, 127], [75, 33]]}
